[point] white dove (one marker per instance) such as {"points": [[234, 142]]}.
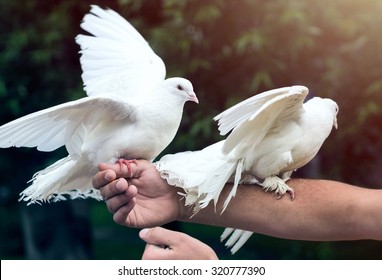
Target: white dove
{"points": [[131, 111], [273, 134]]}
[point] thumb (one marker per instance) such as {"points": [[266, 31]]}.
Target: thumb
{"points": [[156, 236]]}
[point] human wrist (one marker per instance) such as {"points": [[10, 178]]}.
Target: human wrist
{"points": [[184, 212], [210, 215]]}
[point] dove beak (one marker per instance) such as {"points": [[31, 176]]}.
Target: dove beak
{"points": [[335, 124], [192, 97]]}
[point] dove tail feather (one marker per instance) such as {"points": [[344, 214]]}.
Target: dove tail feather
{"points": [[238, 172], [201, 174], [213, 186], [237, 239], [226, 233], [201, 183], [52, 184]]}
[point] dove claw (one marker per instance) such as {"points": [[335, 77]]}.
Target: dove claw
{"points": [[290, 192], [128, 163], [274, 183]]}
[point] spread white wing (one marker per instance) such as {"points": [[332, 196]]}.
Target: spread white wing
{"points": [[269, 113], [64, 124], [233, 116], [116, 58]]}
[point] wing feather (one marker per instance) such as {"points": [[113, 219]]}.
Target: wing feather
{"points": [[116, 21], [230, 118], [116, 58], [64, 124], [247, 134]]}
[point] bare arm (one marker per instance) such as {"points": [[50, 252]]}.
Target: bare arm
{"points": [[322, 209]]}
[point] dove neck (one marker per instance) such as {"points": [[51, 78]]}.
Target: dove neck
{"points": [[165, 102], [164, 109]]}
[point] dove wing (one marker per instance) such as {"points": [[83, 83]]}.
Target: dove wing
{"points": [[270, 116], [232, 117], [64, 124], [116, 58]]}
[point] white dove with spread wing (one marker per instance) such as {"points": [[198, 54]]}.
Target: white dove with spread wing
{"points": [[273, 134], [131, 111]]}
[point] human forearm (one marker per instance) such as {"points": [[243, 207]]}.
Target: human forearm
{"points": [[322, 210]]}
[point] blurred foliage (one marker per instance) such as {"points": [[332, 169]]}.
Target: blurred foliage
{"points": [[230, 50]]}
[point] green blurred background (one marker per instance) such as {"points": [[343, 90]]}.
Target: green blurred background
{"points": [[230, 50]]}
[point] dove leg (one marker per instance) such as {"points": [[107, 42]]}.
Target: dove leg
{"points": [[128, 163], [274, 183]]}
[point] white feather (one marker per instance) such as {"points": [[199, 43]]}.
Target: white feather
{"points": [[273, 134], [131, 111], [116, 58]]}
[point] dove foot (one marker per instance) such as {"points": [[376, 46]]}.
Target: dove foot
{"points": [[290, 192], [128, 163], [277, 185]]}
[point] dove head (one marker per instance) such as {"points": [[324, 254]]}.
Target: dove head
{"points": [[328, 105], [182, 89]]}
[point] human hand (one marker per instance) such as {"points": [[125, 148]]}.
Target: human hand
{"points": [[164, 244], [144, 200]]}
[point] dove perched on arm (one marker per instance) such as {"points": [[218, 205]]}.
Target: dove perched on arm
{"points": [[272, 134], [131, 111]]}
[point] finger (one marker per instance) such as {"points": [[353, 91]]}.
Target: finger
{"points": [[157, 236], [103, 177], [155, 252], [116, 187], [121, 216], [116, 202], [121, 170], [134, 170]]}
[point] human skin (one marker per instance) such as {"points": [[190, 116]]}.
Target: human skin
{"points": [[323, 210], [164, 244]]}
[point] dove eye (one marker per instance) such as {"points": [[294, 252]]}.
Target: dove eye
{"points": [[180, 87]]}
